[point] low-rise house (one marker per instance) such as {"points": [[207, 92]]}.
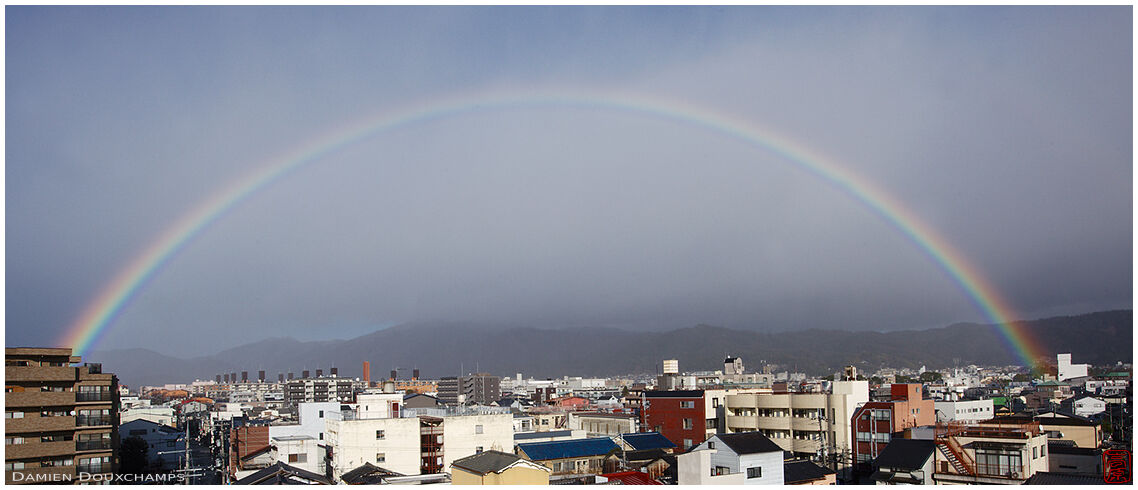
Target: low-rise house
{"points": [[300, 451], [646, 440], [599, 424], [989, 453], [570, 458], [165, 444], [695, 468], [158, 415], [553, 435], [806, 472], [498, 468], [1065, 457], [749, 453], [368, 474], [1060, 426], [1086, 406], [906, 461], [657, 463], [631, 478], [283, 474]]}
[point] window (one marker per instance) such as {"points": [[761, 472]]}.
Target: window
{"points": [[321, 436], [720, 470], [863, 437], [171, 443], [711, 445], [687, 404], [321, 414], [477, 449], [380, 457], [687, 443], [1035, 453], [378, 435], [688, 424], [13, 415], [756, 472], [714, 403], [13, 440], [478, 429], [711, 424], [1043, 451], [298, 458], [13, 466], [998, 462]]}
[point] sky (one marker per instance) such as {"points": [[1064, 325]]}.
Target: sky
{"points": [[1008, 130]]}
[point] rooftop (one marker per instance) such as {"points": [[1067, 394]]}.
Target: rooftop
{"points": [[749, 443], [574, 448]]}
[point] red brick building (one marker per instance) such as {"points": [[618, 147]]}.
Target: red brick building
{"points": [[680, 415], [874, 423], [243, 441]]}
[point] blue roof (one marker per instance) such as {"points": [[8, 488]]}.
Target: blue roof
{"points": [[542, 435], [647, 440], [575, 448]]}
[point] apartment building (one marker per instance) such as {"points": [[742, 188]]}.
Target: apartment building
{"points": [[61, 418], [316, 390], [411, 444], [874, 423], [479, 388], [802, 423], [598, 424], [680, 415]]}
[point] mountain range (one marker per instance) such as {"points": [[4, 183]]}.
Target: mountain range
{"points": [[448, 349]]}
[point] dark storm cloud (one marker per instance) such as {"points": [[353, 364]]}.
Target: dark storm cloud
{"points": [[1008, 130]]}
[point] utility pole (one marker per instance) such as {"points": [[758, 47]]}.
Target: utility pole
{"points": [[186, 421]]}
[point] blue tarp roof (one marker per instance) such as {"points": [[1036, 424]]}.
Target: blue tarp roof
{"points": [[647, 440], [575, 448]]}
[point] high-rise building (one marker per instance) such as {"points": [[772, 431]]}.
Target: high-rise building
{"points": [[61, 418]]}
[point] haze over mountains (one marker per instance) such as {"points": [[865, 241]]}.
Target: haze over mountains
{"points": [[447, 349]]}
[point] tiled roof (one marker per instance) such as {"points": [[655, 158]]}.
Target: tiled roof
{"points": [[1048, 478], [575, 448], [905, 454], [632, 478], [802, 471], [542, 435], [486, 462], [749, 443], [280, 473], [368, 474], [647, 440]]}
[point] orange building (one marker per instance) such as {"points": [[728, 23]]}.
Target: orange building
{"points": [[417, 386], [874, 423]]}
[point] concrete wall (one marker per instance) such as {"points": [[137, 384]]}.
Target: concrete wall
{"points": [[461, 437], [694, 468], [971, 410], [354, 443]]}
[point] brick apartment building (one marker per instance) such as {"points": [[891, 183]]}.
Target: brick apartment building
{"points": [[680, 415], [874, 423], [61, 418]]}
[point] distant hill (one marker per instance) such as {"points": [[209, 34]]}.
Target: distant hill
{"points": [[444, 349]]}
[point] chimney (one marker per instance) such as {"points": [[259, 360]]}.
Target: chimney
{"points": [[290, 376], [280, 377], [244, 376], [394, 374], [227, 377], [319, 373], [335, 372], [261, 376], [233, 377], [218, 380], [304, 374], [367, 373], [415, 374]]}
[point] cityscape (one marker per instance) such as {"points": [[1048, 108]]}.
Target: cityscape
{"points": [[569, 245]]}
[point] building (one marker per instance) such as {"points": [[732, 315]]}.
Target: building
{"points": [[61, 418], [158, 415], [598, 424], [874, 423], [159, 439], [497, 468], [803, 423], [317, 390], [1067, 370], [448, 390], [1086, 406], [806, 472], [750, 454], [248, 448], [965, 410], [377, 432], [480, 388], [685, 417], [570, 459], [906, 461], [1080, 431], [989, 453]]}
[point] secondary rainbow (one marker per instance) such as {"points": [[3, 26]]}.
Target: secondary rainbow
{"points": [[101, 312]]}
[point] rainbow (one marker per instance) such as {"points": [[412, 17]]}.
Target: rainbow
{"points": [[101, 312]]}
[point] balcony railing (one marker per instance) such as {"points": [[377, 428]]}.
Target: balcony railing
{"points": [[100, 444], [93, 468], [92, 420], [86, 396]]}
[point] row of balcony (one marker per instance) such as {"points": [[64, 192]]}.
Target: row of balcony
{"points": [[777, 423], [54, 398], [37, 449]]}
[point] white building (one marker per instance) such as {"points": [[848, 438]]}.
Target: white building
{"points": [[1088, 406], [158, 415], [394, 440], [299, 451], [968, 410], [752, 455], [1068, 370]]}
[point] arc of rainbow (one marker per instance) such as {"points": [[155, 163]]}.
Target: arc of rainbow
{"points": [[100, 313]]}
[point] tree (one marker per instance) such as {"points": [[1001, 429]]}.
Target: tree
{"points": [[133, 454]]}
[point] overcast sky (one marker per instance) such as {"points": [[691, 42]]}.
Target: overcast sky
{"points": [[1008, 130]]}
